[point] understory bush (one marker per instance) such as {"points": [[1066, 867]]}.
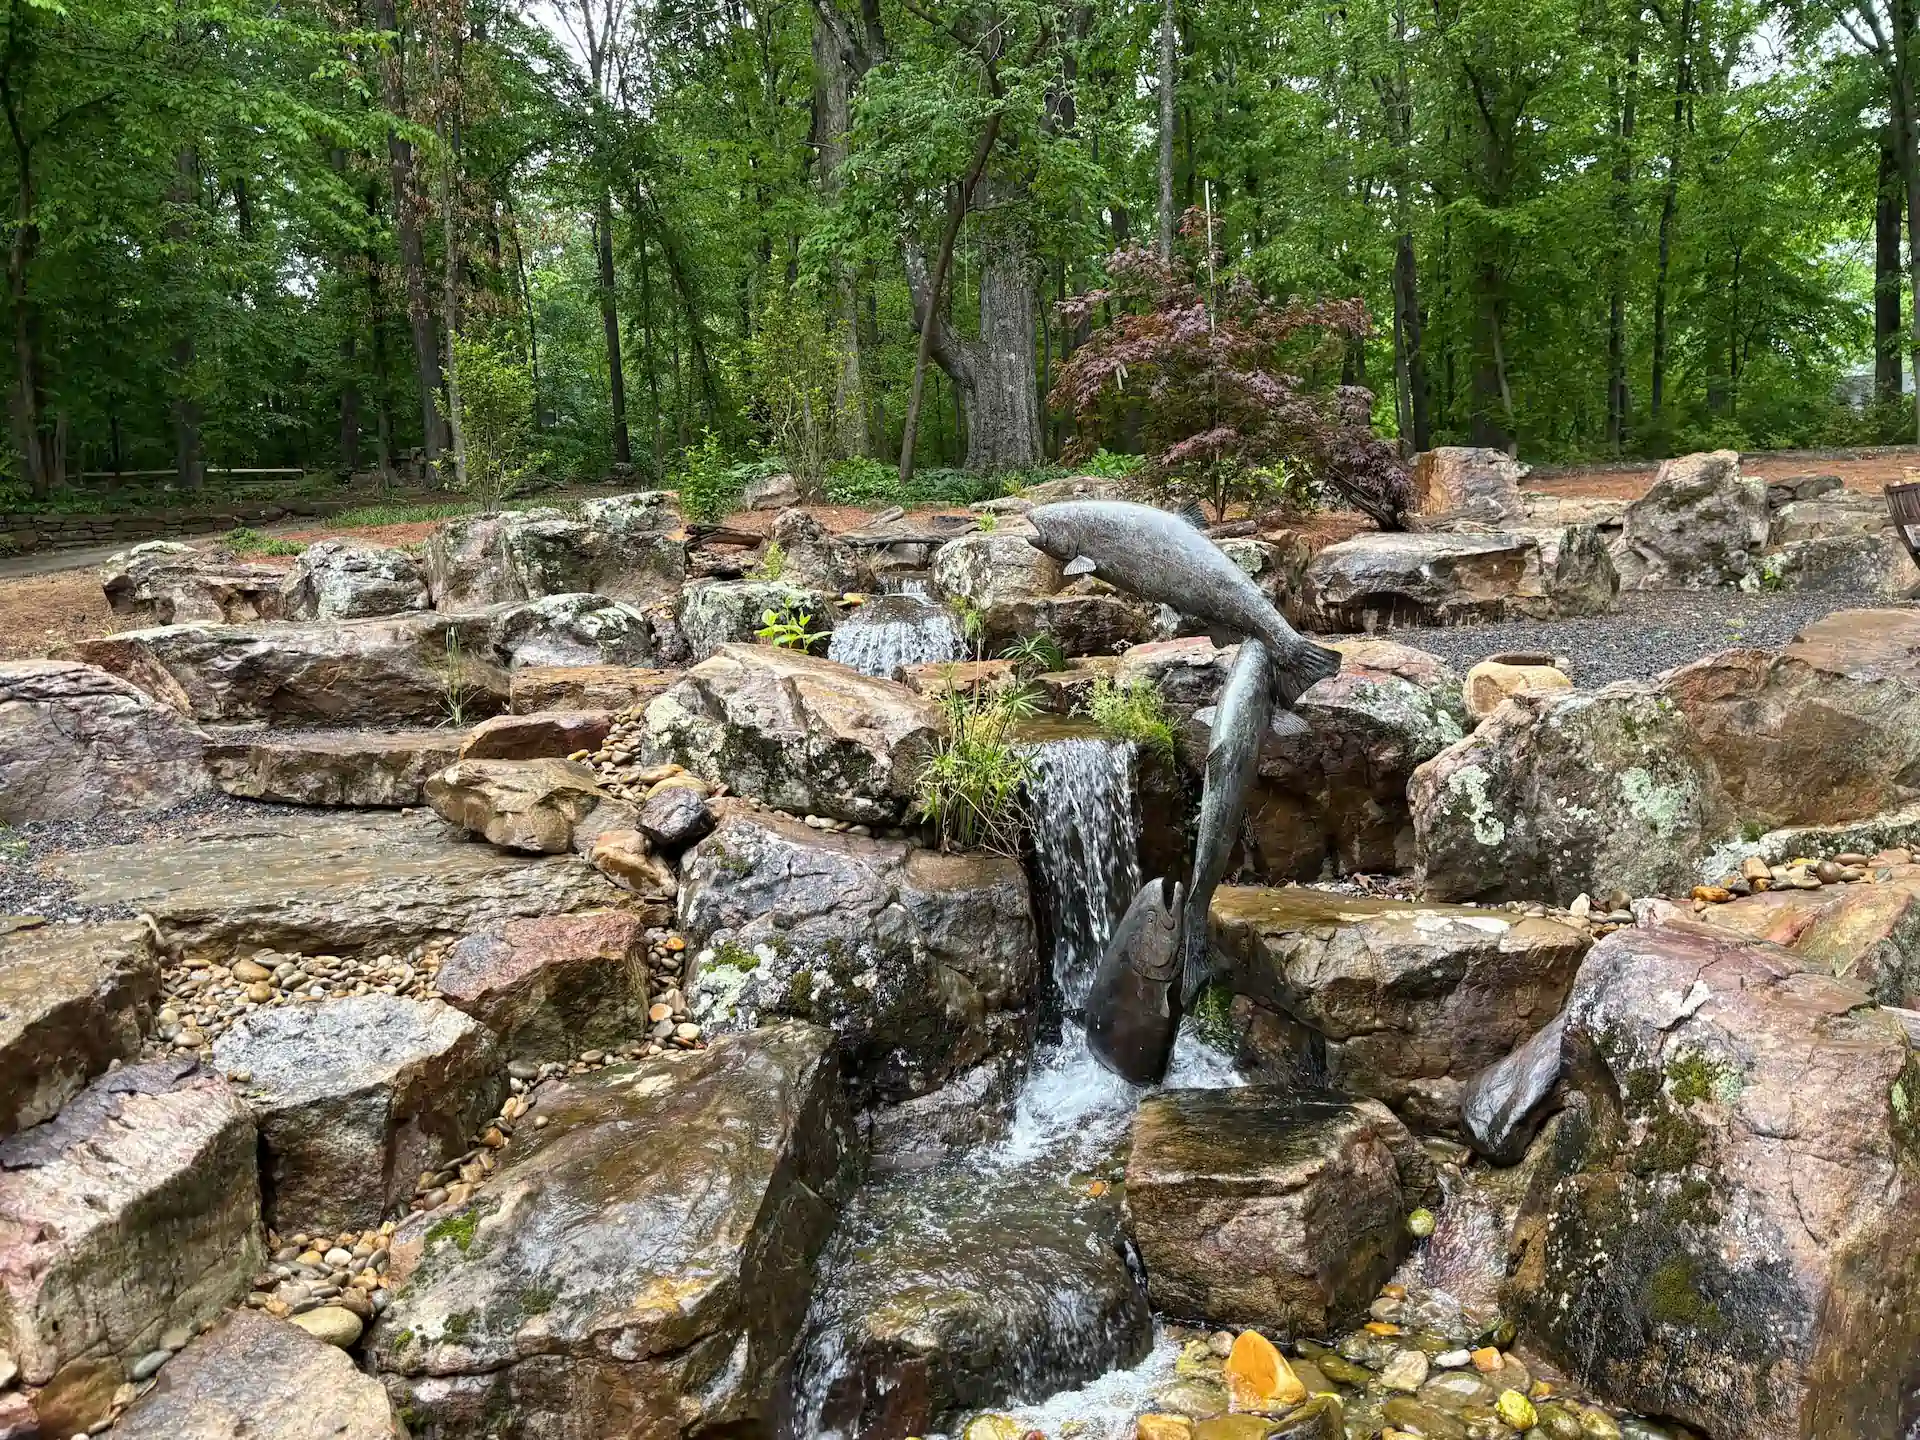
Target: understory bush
{"points": [[1134, 711], [244, 540], [973, 791]]}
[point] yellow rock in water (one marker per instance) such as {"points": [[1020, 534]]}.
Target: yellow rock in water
{"points": [[992, 1427], [1163, 1427], [1258, 1376], [1516, 1410]]}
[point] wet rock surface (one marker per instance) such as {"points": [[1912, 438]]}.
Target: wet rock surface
{"points": [[713, 613], [137, 1210], [554, 986], [77, 742], [571, 629], [795, 731], [73, 999], [1403, 1002], [355, 1097], [1263, 1206], [527, 805], [251, 1375], [1719, 1231], [331, 767], [536, 735], [602, 1283], [924, 964]]}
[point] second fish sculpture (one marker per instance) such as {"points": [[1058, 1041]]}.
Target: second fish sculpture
{"points": [[1133, 1005]]}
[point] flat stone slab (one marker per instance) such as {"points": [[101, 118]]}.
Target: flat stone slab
{"points": [[332, 767], [542, 735], [73, 998], [326, 883], [640, 1266], [251, 1377], [1405, 1002], [355, 1098], [585, 687], [554, 986], [135, 1211]]}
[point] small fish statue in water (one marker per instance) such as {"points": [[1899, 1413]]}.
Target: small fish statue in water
{"points": [[1133, 1006]]}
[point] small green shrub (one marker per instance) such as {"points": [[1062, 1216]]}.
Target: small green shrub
{"points": [[242, 540], [1110, 466], [773, 564], [973, 790], [709, 483], [1134, 711], [1035, 655], [987, 521], [791, 630], [496, 417], [863, 481]]}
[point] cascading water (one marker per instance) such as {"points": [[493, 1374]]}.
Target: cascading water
{"points": [[891, 631], [1055, 1298]]}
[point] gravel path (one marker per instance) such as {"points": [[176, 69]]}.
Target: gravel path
{"points": [[1650, 632]]}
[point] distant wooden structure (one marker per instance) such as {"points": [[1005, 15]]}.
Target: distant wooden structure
{"points": [[1903, 503]]}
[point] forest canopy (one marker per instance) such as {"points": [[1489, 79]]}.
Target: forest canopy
{"points": [[684, 233]]}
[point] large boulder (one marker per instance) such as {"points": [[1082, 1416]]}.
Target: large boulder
{"points": [[1699, 525], [1634, 784], [396, 670], [1876, 564], [74, 999], [941, 1296], [585, 687], [553, 986], [164, 582], [530, 805], [331, 767], [1374, 581], [1465, 483], [355, 1098], [796, 731], [571, 629], [1090, 618], [607, 1283], [1836, 514], [923, 963], [1271, 1208], [348, 580], [625, 547], [77, 743], [1724, 1227], [814, 559], [324, 883], [135, 1212], [713, 613], [541, 735], [1868, 935], [253, 1376], [995, 567], [1400, 1002]]}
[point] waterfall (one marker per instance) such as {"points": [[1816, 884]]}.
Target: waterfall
{"points": [[894, 631], [1086, 840]]}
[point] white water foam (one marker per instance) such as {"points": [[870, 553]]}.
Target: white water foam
{"points": [[1086, 839], [897, 630]]}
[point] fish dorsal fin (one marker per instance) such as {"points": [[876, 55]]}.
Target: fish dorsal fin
{"points": [[1193, 514], [1079, 565]]}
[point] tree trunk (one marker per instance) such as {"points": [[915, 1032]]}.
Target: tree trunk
{"points": [[406, 226], [1169, 42], [188, 464], [349, 405], [610, 323], [28, 439], [1887, 324], [1617, 394], [1669, 208], [1411, 332], [1001, 395], [1487, 425], [833, 117]]}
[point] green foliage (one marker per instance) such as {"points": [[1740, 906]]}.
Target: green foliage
{"points": [[874, 485], [709, 483], [861, 481], [987, 521], [1109, 466], [791, 630], [973, 789], [496, 406], [1134, 711], [773, 563], [1035, 655], [458, 685], [793, 365], [401, 512], [242, 540]]}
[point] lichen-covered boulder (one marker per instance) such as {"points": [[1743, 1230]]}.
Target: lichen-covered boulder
{"points": [[639, 1266], [815, 559], [1875, 564], [1867, 935], [553, 986], [796, 731], [995, 567], [1699, 525], [331, 767], [529, 805], [417, 668], [77, 742], [1271, 1208], [1723, 1229], [1468, 483], [1378, 580], [355, 1098], [73, 1000], [713, 613], [254, 1376], [1400, 1002], [347, 580], [571, 629], [923, 963], [136, 1210], [164, 582], [624, 547], [939, 1297]]}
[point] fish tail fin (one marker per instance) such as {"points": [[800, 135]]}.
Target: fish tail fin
{"points": [[1297, 669], [1198, 969]]}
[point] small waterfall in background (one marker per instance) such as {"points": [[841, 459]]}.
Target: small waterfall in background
{"points": [[908, 582], [892, 631]]}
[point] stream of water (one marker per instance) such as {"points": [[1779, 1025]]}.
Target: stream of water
{"points": [[891, 631]]}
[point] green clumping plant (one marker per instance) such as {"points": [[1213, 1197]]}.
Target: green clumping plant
{"points": [[773, 564], [709, 483], [457, 689], [496, 418], [1134, 711], [791, 630], [243, 540], [973, 790], [863, 481], [973, 622], [1110, 466], [1035, 655], [987, 521]]}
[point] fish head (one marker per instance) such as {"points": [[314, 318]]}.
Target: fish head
{"points": [[1158, 948], [1050, 533]]}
